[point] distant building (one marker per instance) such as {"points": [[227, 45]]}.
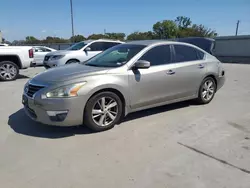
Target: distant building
{"points": [[1, 37]]}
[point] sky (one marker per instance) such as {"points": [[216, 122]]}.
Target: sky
{"points": [[41, 18]]}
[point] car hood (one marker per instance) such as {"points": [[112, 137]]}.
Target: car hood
{"points": [[61, 52], [69, 72]]}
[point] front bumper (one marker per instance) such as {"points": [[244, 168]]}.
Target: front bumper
{"points": [[54, 63], [44, 110]]}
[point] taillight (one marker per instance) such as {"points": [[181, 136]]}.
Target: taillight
{"points": [[31, 53]]}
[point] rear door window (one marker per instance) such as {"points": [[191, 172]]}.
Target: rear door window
{"points": [[185, 53], [97, 46], [108, 45]]}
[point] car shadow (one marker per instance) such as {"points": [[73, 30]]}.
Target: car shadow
{"points": [[22, 124], [20, 76]]}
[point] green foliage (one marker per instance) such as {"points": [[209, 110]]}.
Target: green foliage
{"points": [[181, 27], [141, 36], [96, 36], [115, 36], [183, 22], [165, 29], [77, 38]]}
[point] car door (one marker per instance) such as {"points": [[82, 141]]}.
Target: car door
{"points": [[189, 70], [153, 85]]}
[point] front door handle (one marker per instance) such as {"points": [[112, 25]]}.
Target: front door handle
{"points": [[201, 66], [170, 72]]}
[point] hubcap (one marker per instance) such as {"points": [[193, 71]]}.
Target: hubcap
{"points": [[8, 71], [105, 111], [208, 90]]}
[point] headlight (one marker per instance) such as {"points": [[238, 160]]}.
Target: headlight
{"points": [[65, 91], [56, 57]]}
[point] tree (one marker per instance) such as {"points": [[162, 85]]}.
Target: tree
{"points": [[77, 38], [202, 31], [50, 39], [116, 36], [165, 29], [31, 40], [96, 36], [183, 22], [18, 42], [141, 36]]}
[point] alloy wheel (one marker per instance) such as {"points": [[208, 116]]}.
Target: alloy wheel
{"points": [[8, 71], [208, 90], [105, 111]]}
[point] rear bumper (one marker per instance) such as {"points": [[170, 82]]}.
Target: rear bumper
{"points": [[221, 80]]}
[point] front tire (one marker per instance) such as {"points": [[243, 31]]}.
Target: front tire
{"points": [[8, 71], [103, 111], [207, 91]]}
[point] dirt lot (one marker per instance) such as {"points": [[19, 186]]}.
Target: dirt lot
{"points": [[175, 146]]}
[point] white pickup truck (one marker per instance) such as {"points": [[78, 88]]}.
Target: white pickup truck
{"points": [[14, 58]]}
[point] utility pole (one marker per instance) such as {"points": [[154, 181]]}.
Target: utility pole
{"points": [[237, 27], [72, 19]]}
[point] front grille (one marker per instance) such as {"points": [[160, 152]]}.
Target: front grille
{"points": [[46, 58], [32, 89]]}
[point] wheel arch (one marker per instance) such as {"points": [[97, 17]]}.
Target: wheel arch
{"points": [[212, 76], [13, 58], [117, 92], [71, 59]]}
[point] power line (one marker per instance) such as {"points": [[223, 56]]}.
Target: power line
{"points": [[237, 27]]}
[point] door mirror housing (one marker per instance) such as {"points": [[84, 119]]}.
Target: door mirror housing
{"points": [[87, 49], [141, 64]]}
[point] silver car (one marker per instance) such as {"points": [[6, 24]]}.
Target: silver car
{"points": [[125, 78], [79, 52]]}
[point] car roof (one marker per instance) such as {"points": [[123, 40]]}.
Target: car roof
{"points": [[104, 40], [152, 42]]}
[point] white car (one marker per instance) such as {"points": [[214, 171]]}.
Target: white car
{"points": [[79, 52], [39, 53], [3, 44], [13, 58]]}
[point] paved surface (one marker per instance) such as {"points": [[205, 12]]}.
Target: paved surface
{"points": [[181, 145]]}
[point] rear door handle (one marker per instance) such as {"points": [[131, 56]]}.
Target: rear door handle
{"points": [[201, 66], [170, 72]]}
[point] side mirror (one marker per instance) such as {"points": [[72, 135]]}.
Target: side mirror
{"points": [[87, 49], [141, 64]]}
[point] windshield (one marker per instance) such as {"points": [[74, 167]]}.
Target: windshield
{"points": [[78, 46], [115, 56]]}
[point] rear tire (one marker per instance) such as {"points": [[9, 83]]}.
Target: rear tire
{"points": [[8, 71], [207, 91], [103, 111]]}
